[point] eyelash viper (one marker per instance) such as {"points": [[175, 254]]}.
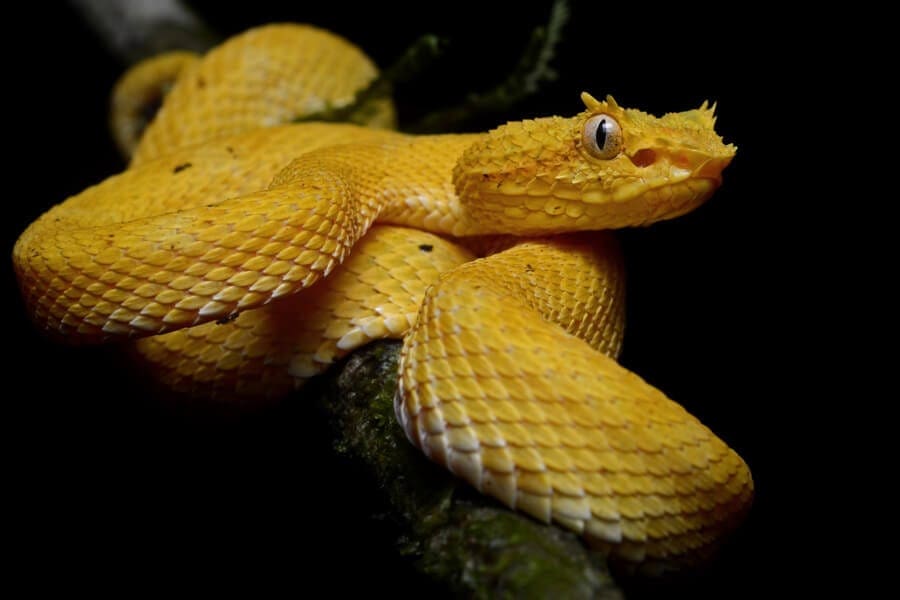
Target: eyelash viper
{"points": [[246, 255]]}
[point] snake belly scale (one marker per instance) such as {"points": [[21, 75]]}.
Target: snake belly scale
{"points": [[243, 255]]}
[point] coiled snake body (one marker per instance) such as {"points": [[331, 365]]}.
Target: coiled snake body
{"points": [[508, 374]]}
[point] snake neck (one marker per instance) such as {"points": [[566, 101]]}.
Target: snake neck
{"points": [[395, 178], [419, 192]]}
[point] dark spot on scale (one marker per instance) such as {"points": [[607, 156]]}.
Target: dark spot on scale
{"points": [[426, 247], [181, 167], [227, 318], [230, 151], [201, 83], [529, 269]]}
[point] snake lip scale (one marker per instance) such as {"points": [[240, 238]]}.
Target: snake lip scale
{"points": [[239, 256]]}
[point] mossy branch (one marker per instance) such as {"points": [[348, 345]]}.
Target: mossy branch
{"points": [[459, 539]]}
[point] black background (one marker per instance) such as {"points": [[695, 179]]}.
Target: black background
{"points": [[116, 488]]}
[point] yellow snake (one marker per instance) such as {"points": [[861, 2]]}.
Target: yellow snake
{"points": [[247, 255]]}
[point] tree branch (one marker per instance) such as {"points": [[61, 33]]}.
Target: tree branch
{"points": [[133, 30]]}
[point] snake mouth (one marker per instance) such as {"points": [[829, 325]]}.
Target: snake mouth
{"points": [[683, 165], [566, 208], [660, 168]]}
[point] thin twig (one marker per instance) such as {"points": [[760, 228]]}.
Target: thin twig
{"points": [[414, 60], [530, 73]]}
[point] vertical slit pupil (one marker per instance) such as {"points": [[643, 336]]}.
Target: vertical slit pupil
{"points": [[601, 134]]}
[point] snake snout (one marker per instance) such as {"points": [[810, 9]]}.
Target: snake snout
{"points": [[712, 168], [696, 164]]}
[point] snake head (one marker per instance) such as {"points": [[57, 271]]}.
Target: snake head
{"points": [[605, 168]]}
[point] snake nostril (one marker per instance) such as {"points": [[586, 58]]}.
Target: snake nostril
{"points": [[644, 158]]}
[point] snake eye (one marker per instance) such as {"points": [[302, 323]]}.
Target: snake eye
{"points": [[602, 136]]}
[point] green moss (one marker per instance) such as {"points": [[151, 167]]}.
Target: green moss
{"points": [[496, 553]]}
